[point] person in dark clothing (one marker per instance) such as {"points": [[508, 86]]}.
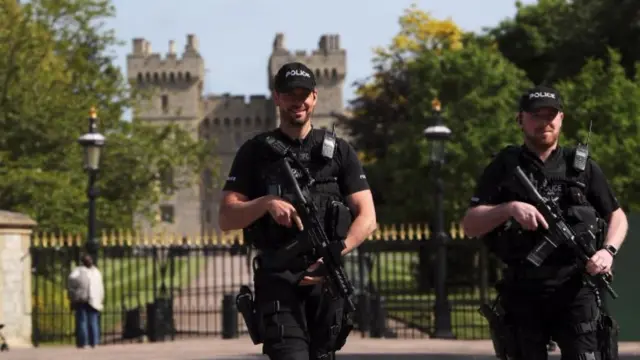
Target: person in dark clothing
{"points": [[300, 321], [554, 300]]}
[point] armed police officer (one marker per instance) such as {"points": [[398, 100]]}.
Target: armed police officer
{"points": [[554, 300], [298, 319]]}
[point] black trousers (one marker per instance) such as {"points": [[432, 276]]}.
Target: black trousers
{"points": [[299, 322], [568, 315]]}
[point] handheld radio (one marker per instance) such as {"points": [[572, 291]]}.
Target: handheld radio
{"points": [[582, 152]]}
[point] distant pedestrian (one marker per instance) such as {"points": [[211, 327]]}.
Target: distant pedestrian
{"points": [[86, 294]]}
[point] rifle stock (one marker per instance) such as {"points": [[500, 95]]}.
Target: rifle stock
{"points": [[339, 284], [558, 233]]}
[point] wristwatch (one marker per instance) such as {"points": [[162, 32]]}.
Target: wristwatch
{"points": [[611, 249]]}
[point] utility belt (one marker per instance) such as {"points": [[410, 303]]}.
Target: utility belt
{"points": [[282, 260], [296, 256], [513, 274]]}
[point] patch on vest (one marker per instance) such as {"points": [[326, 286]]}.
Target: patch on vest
{"points": [[546, 188], [304, 156]]}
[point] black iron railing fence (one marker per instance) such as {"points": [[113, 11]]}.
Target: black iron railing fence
{"points": [[160, 288]]}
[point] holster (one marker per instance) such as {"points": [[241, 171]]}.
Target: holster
{"points": [[345, 329], [608, 331], [503, 343], [338, 220], [246, 307]]}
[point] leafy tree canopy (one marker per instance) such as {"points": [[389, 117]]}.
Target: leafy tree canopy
{"points": [[54, 67], [478, 88], [552, 40]]}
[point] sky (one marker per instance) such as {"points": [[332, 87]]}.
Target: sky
{"points": [[236, 36]]}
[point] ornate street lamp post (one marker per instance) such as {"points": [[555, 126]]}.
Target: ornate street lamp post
{"points": [[437, 134], [92, 142]]}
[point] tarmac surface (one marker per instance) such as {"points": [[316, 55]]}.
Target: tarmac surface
{"points": [[243, 349]]}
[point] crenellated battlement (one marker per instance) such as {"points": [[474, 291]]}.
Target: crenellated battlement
{"points": [[233, 102], [328, 60], [147, 67], [237, 112]]}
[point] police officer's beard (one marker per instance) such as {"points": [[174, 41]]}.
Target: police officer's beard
{"points": [[290, 118], [541, 141]]}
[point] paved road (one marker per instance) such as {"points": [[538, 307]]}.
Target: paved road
{"points": [[409, 357], [242, 349]]}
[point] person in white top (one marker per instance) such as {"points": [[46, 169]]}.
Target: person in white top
{"points": [[86, 295]]}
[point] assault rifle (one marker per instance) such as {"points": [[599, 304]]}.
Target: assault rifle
{"points": [[330, 251], [560, 233]]}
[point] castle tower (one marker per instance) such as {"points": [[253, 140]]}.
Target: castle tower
{"points": [[329, 63], [172, 87]]}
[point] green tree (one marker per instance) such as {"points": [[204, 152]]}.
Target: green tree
{"points": [[552, 39], [603, 95], [381, 101], [54, 67], [479, 90]]}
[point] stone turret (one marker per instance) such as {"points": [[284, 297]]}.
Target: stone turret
{"points": [[174, 85], [177, 82]]}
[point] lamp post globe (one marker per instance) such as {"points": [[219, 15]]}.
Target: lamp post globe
{"points": [[92, 144], [437, 134]]}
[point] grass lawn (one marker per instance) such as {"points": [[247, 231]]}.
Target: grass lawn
{"points": [[128, 282], [417, 311], [393, 276]]}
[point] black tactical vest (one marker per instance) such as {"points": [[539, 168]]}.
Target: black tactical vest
{"points": [[265, 233], [565, 184]]}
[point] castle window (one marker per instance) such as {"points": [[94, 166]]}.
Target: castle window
{"points": [[187, 76], [205, 128], [247, 122], [166, 213], [172, 77], [216, 122], [148, 77], [334, 73], [165, 177], [208, 180], [258, 121], [180, 76], [155, 77], [326, 73], [317, 73], [165, 103], [140, 77], [237, 122], [164, 76], [227, 122]]}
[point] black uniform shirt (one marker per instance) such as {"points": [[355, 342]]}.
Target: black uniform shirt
{"points": [[245, 174], [489, 189]]}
